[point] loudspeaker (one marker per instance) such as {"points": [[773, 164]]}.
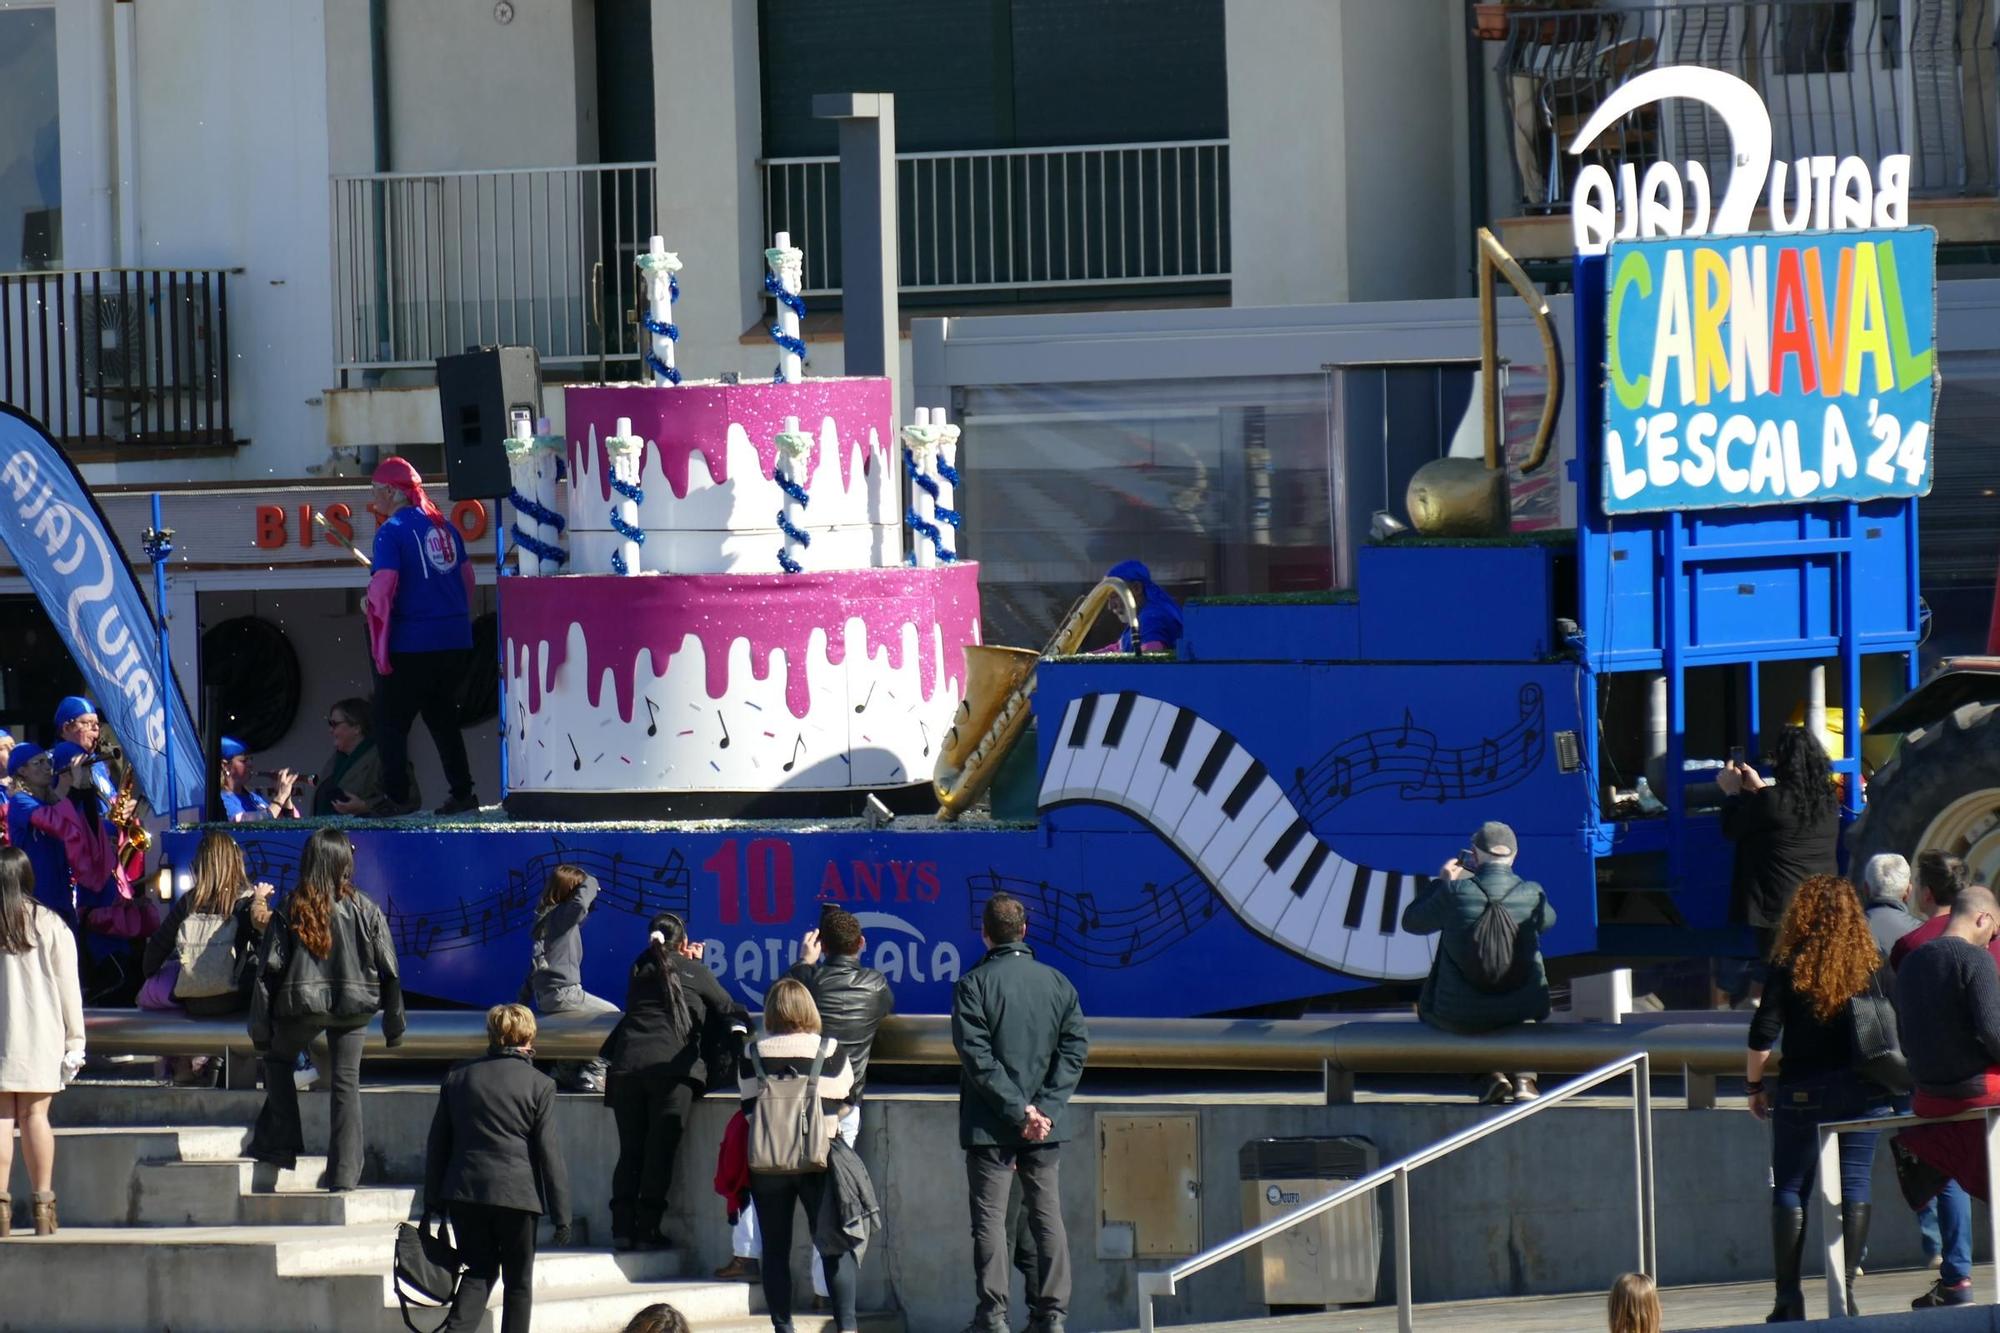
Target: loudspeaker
{"points": [[479, 394]]}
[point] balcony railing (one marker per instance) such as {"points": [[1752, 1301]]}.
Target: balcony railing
{"points": [[427, 264], [1846, 77], [1110, 215], [117, 356]]}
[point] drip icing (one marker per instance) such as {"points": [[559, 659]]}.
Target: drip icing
{"points": [[680, 421], [621, 618]]}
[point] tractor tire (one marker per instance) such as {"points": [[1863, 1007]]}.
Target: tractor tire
{"points": [[1941, 791]]}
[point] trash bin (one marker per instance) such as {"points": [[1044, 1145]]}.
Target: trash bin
{"points": [[1332, 1259]]}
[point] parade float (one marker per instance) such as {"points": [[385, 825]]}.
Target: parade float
{"points": [[732, 613]]}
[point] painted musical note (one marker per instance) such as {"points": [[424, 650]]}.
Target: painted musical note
{"points": [[724, 743], [652, 718], [862, 707], [798, 748], [524, 721], [1408, 722], [576, 757], [925, 733], [1086, 911]]}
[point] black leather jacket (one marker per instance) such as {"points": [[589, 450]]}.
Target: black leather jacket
{"points": [[853, 1000], [358, 976]]}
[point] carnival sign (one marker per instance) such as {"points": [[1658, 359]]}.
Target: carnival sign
{"points": [[57, 535], [1768, 370]]}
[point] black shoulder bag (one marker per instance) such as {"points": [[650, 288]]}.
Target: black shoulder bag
{"points": [[428, 1271]]}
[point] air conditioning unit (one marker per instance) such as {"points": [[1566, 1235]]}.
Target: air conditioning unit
{"points": [[136, 341]]}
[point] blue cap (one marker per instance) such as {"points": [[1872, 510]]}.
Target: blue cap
{"points": [[23, 754], [64, 754], [231, 747], [72, 708]]}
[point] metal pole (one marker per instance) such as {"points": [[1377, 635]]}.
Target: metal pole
{"points": [[1829, 1219], [1405, 1316], [500, 636], [1649, 1221], [1993, 1197], [159, 546]]}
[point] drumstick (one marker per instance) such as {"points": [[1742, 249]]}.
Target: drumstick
{"points": [[335, 536]]}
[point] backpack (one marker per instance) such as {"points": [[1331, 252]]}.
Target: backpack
{"points": [[1501, 950], [789, 1135], [206, 947]]}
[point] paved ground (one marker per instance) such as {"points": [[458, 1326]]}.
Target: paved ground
{"points": [[1685, 1307]]}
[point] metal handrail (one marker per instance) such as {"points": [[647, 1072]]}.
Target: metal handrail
{"points": [[1164, 1283], [940, 155], [1829, 1189], [488, 171]]}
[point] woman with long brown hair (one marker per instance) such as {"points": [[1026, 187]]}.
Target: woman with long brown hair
{"points": [[209, 931], [41, 1034], [555, 966], [327, 965], [1825, 957]]}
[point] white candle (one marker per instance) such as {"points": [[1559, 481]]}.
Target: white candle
{"points": [[794, 447], [521, 464], [947, 496], [625, 449], [789, 266], [920, 439], [659, 266], [548, 450]]}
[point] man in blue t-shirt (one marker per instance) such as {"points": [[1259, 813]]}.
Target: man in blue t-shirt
{"points": [[34, 787], [419, 634]]}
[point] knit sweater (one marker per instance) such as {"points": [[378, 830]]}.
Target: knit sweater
{"points": [[1948, 1011]]}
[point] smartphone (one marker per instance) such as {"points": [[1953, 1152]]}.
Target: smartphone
{"points": [[1735, 754], [1465, 856]]}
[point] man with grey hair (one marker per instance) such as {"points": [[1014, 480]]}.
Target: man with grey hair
{"points": [[1488, 971], [1885, 895]]}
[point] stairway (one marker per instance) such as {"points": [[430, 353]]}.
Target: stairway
{"points": [[174, 1227]]}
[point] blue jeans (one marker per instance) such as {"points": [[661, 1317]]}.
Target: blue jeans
{"points": [[1798, 1108], [1954, 1225]]}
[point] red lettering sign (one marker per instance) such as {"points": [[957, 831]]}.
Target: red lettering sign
{"points": [[270, 526]]}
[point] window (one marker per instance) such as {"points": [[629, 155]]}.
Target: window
{"points": [[30, 142], [1814, 38]]}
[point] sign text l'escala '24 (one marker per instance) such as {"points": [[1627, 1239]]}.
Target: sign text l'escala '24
{"points": [[1787, 367]]}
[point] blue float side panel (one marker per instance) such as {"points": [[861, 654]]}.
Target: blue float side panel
{"points": [[1456, 603], [1273, 631]]}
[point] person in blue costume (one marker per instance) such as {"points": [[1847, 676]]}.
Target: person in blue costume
{"points": [[419, 636], [239, 801], [77, 722], [34, 787], [1159, 614]]}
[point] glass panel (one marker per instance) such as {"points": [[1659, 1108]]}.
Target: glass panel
{"points": [[30, 144], [1220, 486]]}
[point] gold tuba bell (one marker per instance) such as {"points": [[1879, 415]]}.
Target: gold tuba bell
{"points": [[131, 828], [999, 682]]}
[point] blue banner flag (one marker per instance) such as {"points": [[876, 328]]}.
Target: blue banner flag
{"points": [[57, 535], [1769, 369]]}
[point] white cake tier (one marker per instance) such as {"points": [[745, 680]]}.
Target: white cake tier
{"points": [[708, 470], [733, 683]]}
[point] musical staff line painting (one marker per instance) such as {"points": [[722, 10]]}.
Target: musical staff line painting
{"points": [[1072, 924], [1409, 759]]}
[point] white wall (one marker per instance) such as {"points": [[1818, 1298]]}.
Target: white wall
{"points": [[469, 93], [1347, 152]]}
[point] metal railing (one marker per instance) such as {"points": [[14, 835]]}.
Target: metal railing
{"points": [[1397, 1175], [112, 356], [1829, 1190], [1858, 77], [430, 263], [1134, 214]]}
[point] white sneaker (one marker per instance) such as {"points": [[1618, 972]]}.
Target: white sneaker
{"points": [[303, 1079]]}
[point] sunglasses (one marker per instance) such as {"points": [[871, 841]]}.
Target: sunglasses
{"points": [[339, 722]]}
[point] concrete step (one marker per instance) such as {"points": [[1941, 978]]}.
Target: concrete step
{"points": [[96, 1167], [231, 1191]]}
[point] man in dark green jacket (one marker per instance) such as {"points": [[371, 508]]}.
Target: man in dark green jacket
{"points": [[1454, 998], [1021, 1043]]}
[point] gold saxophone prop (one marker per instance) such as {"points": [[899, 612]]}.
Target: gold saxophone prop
{"points": [[999, 682], [129, 826]]}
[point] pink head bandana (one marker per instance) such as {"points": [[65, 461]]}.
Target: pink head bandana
{"points": [[397, 473]]}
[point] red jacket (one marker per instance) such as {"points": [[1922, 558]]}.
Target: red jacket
{"points": [[732, 1164]]}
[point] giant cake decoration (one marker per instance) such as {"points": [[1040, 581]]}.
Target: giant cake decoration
{"points": [[718, 614]]}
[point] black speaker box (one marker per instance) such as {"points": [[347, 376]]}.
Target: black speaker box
{"points": [[478, 394]]}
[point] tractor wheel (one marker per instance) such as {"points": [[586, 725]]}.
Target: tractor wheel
{"points": [[1941, 791]]}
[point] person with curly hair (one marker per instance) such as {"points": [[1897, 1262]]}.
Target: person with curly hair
{"points": [[1784, 829], [662, 1318], [1825, 957]]}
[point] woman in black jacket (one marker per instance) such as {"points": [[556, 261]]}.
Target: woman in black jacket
{"points": [[1784, 833], [675, 1026], [494, 1163], [326, 964]]}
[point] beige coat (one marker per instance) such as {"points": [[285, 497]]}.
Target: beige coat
{"points": [[41, 1008]]}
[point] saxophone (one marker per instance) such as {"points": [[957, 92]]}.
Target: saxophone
{"points": [[130, 830], [999, 686]]}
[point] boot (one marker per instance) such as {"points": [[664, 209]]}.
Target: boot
{"points": [[621, 1224], [1854, 1240], [1788, 1244], [6, 1216], [45, 1212]]}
